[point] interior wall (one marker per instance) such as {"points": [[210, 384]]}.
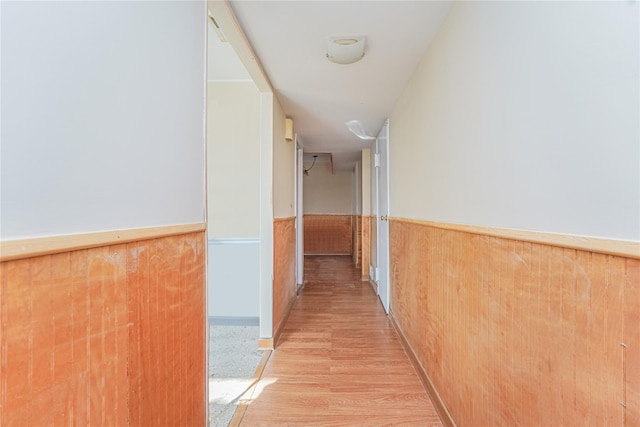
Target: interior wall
{"points": [[112, 335], [267, 244], [356, 242], [366, 181], [365, 265], [103, 129], [233, 278], [357, 189], [119, 138], [233, 186], [519, 333], [284, 270], [233, 159], [521, 115], [166, 312], [530, 110], [284, 231], [326, 193], [328, 234], [284, 167], [356, 227]]}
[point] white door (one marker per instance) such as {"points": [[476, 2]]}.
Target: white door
{"points": [[382, 170], [299, 218]]}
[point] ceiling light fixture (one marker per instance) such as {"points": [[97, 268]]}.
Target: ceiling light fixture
{"points": [[345, 50], [306, 171]]}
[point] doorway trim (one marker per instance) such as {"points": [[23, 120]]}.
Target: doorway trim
{"points": [[299, 216]]}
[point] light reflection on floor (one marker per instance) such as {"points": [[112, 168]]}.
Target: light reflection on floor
{"points": [[233, 358], [224, 391]]}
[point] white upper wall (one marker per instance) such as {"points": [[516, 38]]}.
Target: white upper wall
{"points": [[233, 159], [366, 181], [357, 189], [327, 193], [102, 116], [524, 115], [284, 170], [223, 62]]}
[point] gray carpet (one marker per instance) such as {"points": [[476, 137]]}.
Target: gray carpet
{"points": [[233, 359]]}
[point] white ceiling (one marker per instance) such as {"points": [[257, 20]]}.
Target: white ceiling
{"points": [[289, 38]]}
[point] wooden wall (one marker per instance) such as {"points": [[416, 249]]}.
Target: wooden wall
{"points": [[517, 333], [356, 231], [112, 335], [328, 235], [366, 246], [284, 256]]}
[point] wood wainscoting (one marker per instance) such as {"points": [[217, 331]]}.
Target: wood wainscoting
{"points": [[284, 272], [112, 335], [328, 235], [511, 332], [356, 245], [366, 246]]}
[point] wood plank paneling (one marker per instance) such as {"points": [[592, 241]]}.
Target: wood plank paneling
{"points": [[518, 333], [64, 339], [166, 336], [356, 230], [366, 246], [631, 341], [328, 235], [73, 323], [284, 282]]}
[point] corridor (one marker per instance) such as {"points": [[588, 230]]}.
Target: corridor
{"points": [[339, 361]]}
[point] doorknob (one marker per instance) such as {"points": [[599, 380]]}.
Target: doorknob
{"points": [[384, 218]]}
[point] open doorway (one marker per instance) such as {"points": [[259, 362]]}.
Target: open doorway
{"points": [[328, 207], [338, 211], [233, 187], [234, 105]]}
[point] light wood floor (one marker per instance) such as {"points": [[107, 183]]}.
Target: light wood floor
{"points": [[339, 361]]}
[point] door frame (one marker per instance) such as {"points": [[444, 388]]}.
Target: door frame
{"points": [[299, 215]]}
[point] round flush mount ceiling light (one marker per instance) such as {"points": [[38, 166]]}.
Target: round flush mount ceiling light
{"points": [[345, 50]]}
